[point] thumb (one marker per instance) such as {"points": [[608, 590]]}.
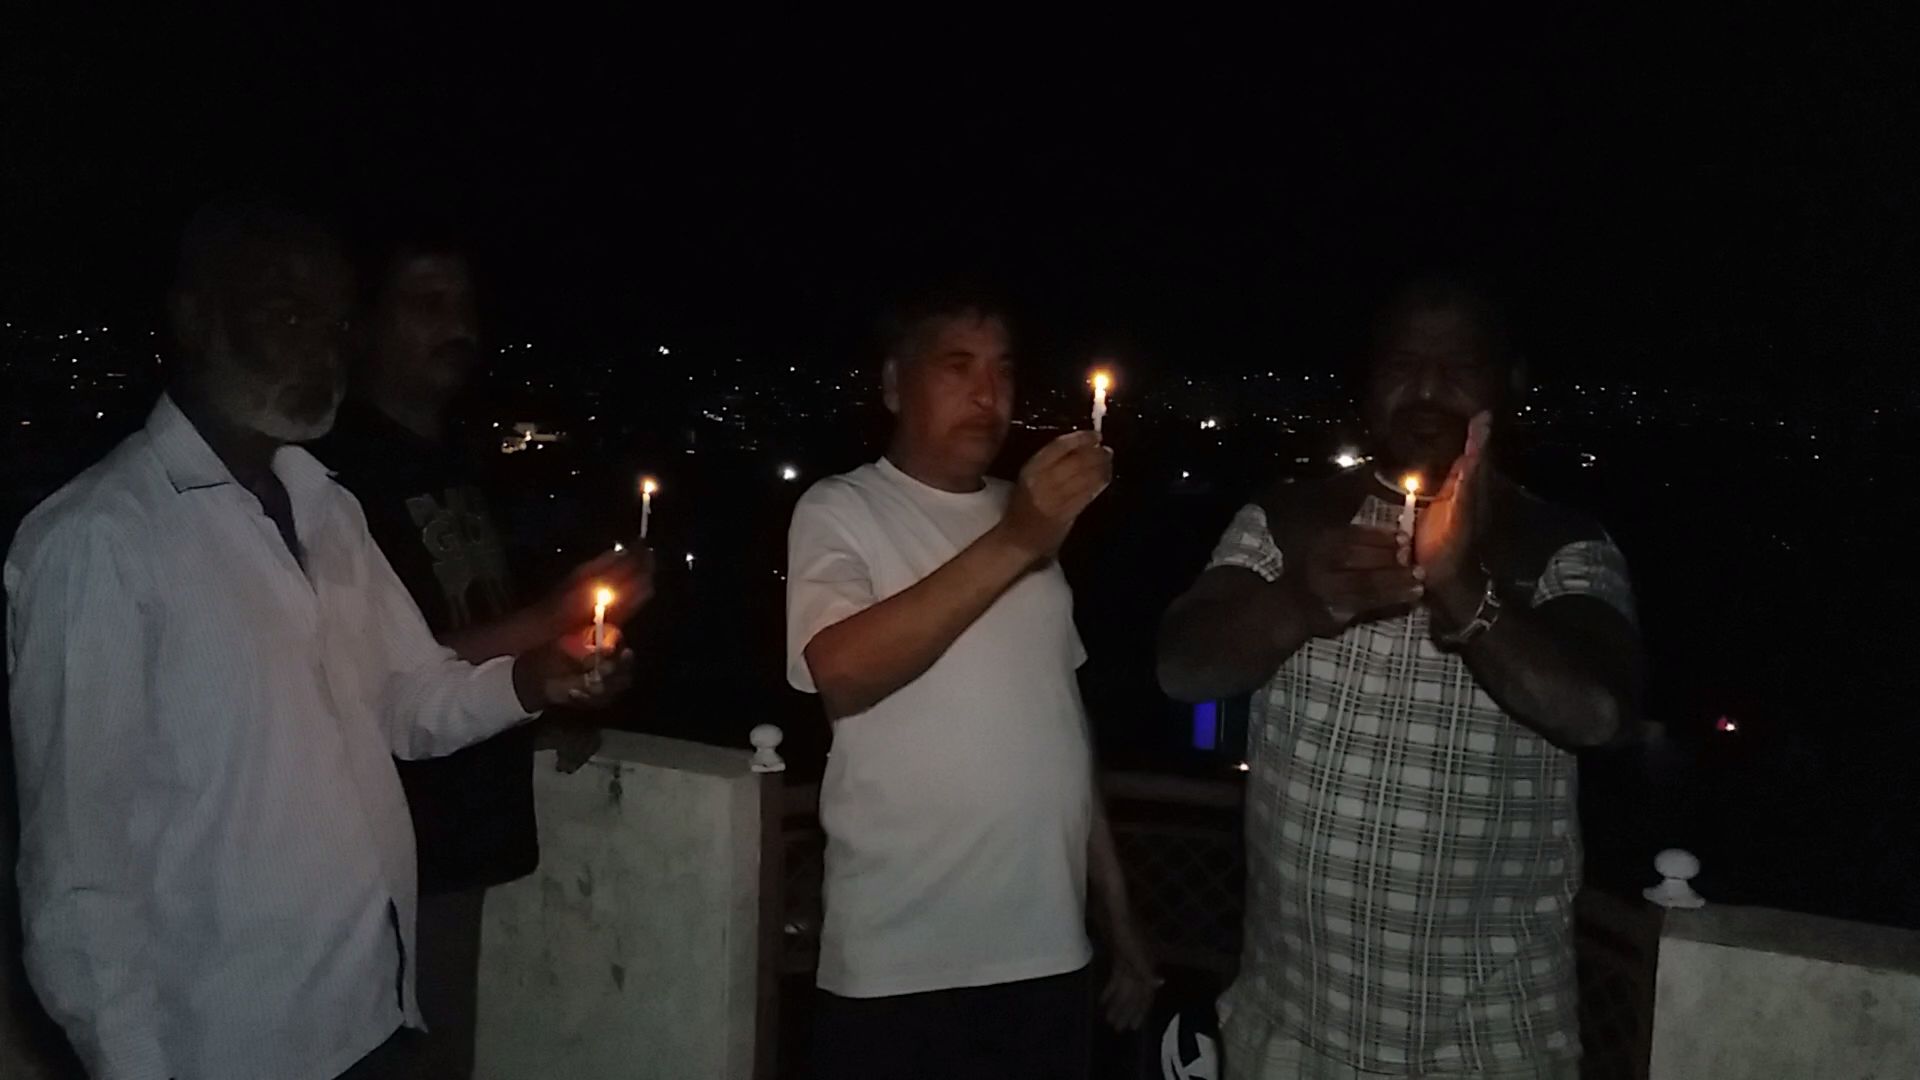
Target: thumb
{"points": [[1479, 430]]}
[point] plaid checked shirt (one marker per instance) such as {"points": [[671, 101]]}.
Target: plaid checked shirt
{"points": [[1412, 852]]}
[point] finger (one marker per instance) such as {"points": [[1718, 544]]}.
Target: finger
{"points": [[1455, 475], [601, 564], [1093, 478], [1063, 469], [1059, 448], [1382, 536], [1479, 431], [1075, 502], [1384, 588], [610, 639], [1367, 557]]}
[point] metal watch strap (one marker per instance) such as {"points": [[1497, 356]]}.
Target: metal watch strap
{"points": [[1483, 619]]}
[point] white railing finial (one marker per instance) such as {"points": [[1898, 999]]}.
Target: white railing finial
{"points": [[1677, 868], [765, 739]]}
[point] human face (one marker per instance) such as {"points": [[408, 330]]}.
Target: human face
{"points": [[425, 326], [954, 397], [1432, 373], [273, 349]]}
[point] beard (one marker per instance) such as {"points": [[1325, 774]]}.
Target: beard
{"points": [[288, 409]]}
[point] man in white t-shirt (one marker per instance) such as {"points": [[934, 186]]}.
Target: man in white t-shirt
{"points": [[925, 607]]}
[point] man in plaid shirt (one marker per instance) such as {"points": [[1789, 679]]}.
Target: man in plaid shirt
{"points": [[1412, 844]]}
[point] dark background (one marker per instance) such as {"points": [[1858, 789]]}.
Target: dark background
{"points": [[1707, 224]]}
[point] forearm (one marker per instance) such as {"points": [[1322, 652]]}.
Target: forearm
{"points": [[448, 704], [1223, 641], [1536, 673], [861, 660]]}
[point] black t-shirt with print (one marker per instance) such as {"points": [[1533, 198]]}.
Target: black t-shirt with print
{"points": [[472, 811]]}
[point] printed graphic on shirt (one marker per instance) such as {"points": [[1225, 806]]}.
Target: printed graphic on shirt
{"points": [[466, 553]]}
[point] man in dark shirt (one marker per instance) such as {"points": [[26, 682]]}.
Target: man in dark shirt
{"points": [[472, 812]]}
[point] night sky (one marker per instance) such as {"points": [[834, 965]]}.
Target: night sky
{"points": [[1680, 199]]}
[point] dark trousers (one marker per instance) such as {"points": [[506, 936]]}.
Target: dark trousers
{"points": [[447, 979], [1039, 1029], [396, 1059]]}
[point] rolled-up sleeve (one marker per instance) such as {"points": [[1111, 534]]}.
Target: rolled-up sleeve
{"points": [[1594, 568], [78, 649], [434, 703], [828, 579], [1248, 544]]}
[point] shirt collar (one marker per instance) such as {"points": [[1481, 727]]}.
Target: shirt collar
{"points": [[192, 465]]}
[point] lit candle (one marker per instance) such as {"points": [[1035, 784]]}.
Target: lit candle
{"points": [[648, 485], [1411, 482], [601, 598], [1101, 381]]}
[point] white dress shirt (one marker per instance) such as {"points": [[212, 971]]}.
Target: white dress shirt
{"points": [[216, 864]]}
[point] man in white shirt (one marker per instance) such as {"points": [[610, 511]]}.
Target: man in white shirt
{"points": [[925, 608], [212, 667]]}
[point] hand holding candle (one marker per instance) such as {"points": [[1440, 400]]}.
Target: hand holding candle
{"points": [[602, 599], [1102, 381], [628, 575], [1447, 546]]}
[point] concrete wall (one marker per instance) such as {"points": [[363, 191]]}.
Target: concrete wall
{"points": [[632, 951], [1748, 992]]}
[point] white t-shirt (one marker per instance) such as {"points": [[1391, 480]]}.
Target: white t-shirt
{"points": [[957, 809]]}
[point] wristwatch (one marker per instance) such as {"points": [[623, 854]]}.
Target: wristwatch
{"points": [[1483, 619]]}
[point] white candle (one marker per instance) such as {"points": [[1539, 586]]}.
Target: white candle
{"points": [[648, 485], [601, 598], [1411, 483], [1101, 381]]}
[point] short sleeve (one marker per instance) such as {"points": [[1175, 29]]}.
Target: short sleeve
{"points": [[828, 579], [1593, 568], [1248, 544]]}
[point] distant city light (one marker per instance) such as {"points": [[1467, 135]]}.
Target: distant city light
{"points": [[664, 351], [689, 560], [1346, 459], [789, 473], [1727, 724], [1185, 475], [103, 416], [1209, 424], [1244, 767]]}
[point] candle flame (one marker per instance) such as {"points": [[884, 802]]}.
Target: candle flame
{"points": [[602, 599], [1102, 381], [1411, 482], [648, 485]]}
